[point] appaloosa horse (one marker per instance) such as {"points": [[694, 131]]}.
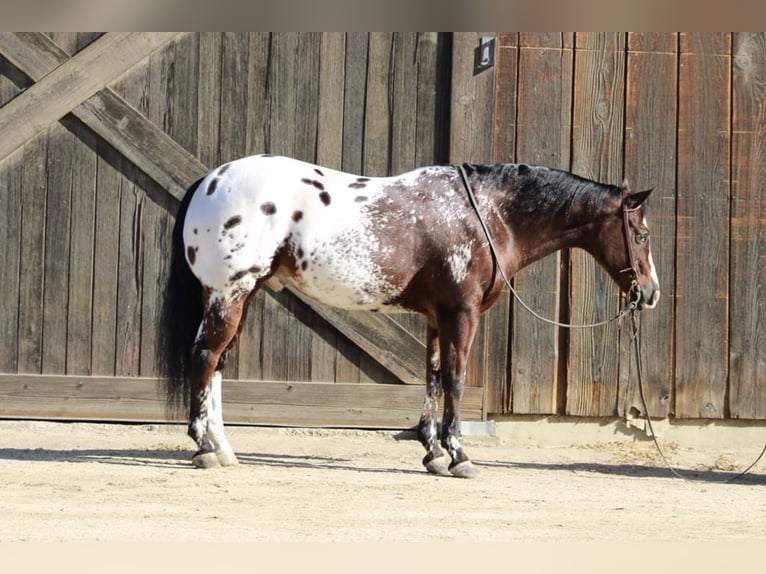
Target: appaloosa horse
{"points": [[407, 242]]}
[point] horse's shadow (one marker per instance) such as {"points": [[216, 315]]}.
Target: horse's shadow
{"points": [[180, 460], [634, 471]]}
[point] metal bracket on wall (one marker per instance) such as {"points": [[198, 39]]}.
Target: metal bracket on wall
{"points": [[484, 54]]}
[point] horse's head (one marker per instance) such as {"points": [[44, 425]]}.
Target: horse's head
{"points": [[625, 250]]}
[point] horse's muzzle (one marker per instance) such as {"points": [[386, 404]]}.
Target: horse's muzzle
{"points": [[649, 297], [645, 297]]}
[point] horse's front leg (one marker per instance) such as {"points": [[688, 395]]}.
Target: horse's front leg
{"points": [[456, 334], [435, 461]]}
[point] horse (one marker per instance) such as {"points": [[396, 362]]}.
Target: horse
{"points": [[408, 242]]}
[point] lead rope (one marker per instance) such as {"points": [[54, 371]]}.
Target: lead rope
{"points": [[629, 309], [636, 339]]}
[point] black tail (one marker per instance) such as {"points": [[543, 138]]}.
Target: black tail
{"points": [[180, 318]]}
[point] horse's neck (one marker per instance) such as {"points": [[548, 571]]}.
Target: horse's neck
{"points": [[535, 240], [546, 241]]}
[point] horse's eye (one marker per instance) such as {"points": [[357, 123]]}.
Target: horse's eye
{"points": [[642, 237]]}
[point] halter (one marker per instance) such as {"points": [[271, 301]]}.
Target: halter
{"points": [[634, 294]]}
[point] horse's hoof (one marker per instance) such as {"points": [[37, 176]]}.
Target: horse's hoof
{"points": [[205, 460], [465, 469], [438, 465], [227, 458]]}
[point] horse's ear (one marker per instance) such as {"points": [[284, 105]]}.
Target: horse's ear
{"points": [[633, 200]]}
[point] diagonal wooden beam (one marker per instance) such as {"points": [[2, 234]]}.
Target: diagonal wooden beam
{"points": [[71, 83], [174, 168], [127, 130]]}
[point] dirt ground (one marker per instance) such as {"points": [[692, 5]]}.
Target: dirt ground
{"points": [[101, 482]]}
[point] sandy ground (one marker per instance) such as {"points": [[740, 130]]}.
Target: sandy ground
{"points": [[100, 482]]}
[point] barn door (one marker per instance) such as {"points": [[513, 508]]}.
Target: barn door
{"points": [[102, 135]]}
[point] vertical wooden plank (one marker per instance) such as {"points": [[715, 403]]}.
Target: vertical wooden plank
{"points": [[544, 109], [747, 347], [180, 81], [597, 135], [106, 246], [11, 198], [354, 101], [136, 87], [306, 87], [472, 120], [11, 191], [377, 108], [702, 282], [331, 96], [60, 170], [209, 84], [433, 81], [81, 273], [129, 269], [404, 101], [31, 276], [650, 161], [259, 102]]}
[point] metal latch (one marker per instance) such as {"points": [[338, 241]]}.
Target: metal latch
{"points": [[484, 55]]}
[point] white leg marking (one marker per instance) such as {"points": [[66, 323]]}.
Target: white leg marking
{"points": [[215, 422]]}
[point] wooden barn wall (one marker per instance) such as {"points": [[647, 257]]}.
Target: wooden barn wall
{"points": [[87, 203], [681, 113]]}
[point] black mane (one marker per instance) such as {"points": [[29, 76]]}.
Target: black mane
{"points": [[543, 194]]}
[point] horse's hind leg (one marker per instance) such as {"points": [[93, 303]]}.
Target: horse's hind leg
{"points": [[219, 326], [435, 460]]}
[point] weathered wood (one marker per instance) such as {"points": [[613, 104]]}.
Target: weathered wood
{"points": [[597, 136], [209, 96], [106, 246], [59, 169], [32, 256], [377, 105], [354, 101], [382, 338], [650, 161], [136, 89], [81, 273], [545, 87], [126, 129], [11, 191], [702, 282], [245, 402], [747, 323], [72, 83], [403, 98]]}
